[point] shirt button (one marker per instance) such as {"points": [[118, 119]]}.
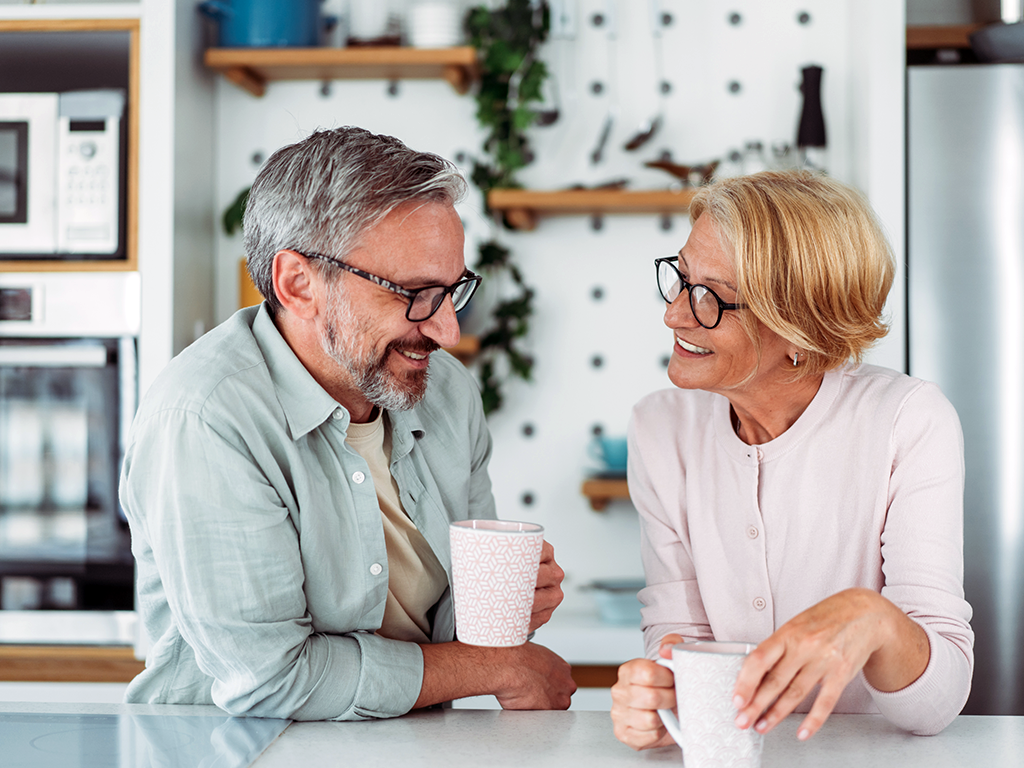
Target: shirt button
{"points": [[358, 477], [376, 568], [338, 415], [760, 603], [752, 532]]}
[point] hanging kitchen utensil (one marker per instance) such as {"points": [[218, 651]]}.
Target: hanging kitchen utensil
{"points": [[646, 130], [606, 129], [550, 103], [549, 110], [810, 135]]}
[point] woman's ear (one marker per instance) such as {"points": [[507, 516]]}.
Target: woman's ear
{"points": [[293, 284]]}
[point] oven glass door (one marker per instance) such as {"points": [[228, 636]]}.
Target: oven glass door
{"points": [[64, 543]]}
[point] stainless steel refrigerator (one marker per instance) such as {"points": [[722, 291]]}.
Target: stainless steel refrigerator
{"points": [[965, 278]]}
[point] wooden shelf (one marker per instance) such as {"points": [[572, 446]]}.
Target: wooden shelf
{"points": [[602, 490], [523, 207], [253, 68], [68, 663], [953, 36]]}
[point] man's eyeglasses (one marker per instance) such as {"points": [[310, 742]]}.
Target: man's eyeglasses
{"points": [[705, 304], [423, 302]]}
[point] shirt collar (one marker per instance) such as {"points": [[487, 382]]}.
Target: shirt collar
{"points": [[306, 404]]}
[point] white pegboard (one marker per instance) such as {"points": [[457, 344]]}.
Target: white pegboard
{"points": [[565, 259]]}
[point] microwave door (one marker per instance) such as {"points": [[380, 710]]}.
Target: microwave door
{"points": [[13, 159], [28, 173]]}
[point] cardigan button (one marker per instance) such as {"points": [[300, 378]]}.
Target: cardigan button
{"points": [[376, 568]]}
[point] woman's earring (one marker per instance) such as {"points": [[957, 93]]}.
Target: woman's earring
{"points": [[795, 356]]}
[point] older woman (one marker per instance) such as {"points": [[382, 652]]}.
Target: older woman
{"points": [[789, 495]]}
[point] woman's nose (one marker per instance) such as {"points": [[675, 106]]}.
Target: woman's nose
{"points": [[678, 314]]}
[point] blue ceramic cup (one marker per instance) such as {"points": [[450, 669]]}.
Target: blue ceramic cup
{"points": [[610, 451]]}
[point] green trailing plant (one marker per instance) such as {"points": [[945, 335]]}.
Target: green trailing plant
{"points": [[511, 78]]}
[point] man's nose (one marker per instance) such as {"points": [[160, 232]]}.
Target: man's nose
{"points": [[442, 326]]}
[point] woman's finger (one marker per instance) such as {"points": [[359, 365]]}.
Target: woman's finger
{"points": [[665, 647], [756, 667], [824, 703]]}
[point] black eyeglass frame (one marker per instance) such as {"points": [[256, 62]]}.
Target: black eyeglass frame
{"points": [[688, 286], [410, 293]]}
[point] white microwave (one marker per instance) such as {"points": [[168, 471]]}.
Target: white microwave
{"points": [[60, 175]]}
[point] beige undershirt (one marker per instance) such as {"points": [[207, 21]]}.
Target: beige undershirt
{"points": [[416, 580]]}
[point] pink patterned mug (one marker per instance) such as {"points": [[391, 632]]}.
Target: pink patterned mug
{"points": [[706, 729], [494, 575]]}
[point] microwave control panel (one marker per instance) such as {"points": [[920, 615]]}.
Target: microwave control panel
{"points": [[87, 185]]}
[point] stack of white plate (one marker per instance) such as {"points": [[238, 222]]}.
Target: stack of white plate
{"points": [[434, 24]]}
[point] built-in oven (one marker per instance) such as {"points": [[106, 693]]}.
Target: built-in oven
{"points": [[68, 389]]}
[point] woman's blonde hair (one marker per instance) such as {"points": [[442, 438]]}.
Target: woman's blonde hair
{"points": [[812, 262]]}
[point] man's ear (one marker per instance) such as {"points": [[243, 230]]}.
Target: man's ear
{"points": [[293, 283]]}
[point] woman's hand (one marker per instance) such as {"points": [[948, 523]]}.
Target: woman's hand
{"points": [[643, 688], [827, 645]]}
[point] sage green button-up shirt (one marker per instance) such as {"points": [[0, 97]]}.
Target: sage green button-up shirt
{"points": [[261, 565]]}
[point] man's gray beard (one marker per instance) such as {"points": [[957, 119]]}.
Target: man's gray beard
{"points": [[376, 383]]}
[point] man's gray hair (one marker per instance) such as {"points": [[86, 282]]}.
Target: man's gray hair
{"points": [[323, 193]]}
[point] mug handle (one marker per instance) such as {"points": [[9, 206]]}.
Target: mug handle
{"points": [[668, 717]]}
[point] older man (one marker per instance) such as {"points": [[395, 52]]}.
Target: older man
{"points": [[290, 476]]}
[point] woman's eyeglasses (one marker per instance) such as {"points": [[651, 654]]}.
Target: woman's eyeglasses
{"points": [[705, 304]]}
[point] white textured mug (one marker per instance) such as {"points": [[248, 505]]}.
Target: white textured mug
{"points": [[706, 729], [494, 576]]}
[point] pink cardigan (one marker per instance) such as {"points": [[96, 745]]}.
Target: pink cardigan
{"points": [[865, 489]]}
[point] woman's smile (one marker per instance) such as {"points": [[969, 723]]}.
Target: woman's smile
{"points": [[692, 348]]}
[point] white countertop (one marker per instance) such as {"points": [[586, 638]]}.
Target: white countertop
{"points": [[469, 738]]}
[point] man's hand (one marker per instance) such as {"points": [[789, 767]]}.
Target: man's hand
{"points": [[538, 679], [549, 590], [643, 688], [528, 676]]}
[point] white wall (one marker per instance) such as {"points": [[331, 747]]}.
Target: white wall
{"points": [[860, 45]]}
